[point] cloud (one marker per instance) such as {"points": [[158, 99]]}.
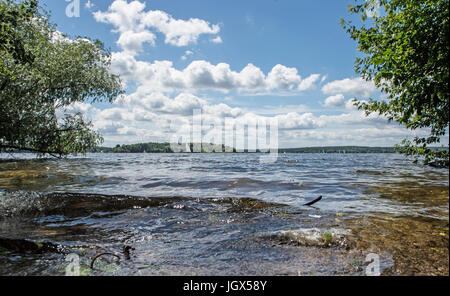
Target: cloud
{"points": [[295, 120], [108, 127], [355, 86], [114, 114], [360, 136], [308, 82], [336, 101], [222, 110], [131, 19], [147, 114], [252, 78], [202, 74], [282, 77], [132, 42], [144, 115], [137, 26], [122, 15], [140, 117], [186, 54], [183, 104], [178, 32], [89, 5], [77, 107], [354, 117], [281, 109], [350, 105], [161, 76], [217, 40]]}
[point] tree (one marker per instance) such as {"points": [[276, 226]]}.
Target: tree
{"points": [[406, 53], [42, 73]]}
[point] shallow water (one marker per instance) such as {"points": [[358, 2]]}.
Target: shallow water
{"points": [[222, 214]]}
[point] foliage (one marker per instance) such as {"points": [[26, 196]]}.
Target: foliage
{"points": [[406, 54], [143, 147], [151, 148], [42, 74], [338, 149], [166, 148], [328, 236]]}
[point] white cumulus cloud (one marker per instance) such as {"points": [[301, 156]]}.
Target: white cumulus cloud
{"points": [[186, 54], [356, 86], [308, 82], [161, 76], [336, 101], [137, 26], [132, 42], [217, 40]]}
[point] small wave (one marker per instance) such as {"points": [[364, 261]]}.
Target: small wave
{"points": [[24, 203], [370, 172], [240, 183], [35, 204]]}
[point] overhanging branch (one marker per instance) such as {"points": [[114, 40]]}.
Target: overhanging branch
{"points": [[52, 153]]}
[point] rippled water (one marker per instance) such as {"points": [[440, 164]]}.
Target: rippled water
{"points": [[209, 213]]}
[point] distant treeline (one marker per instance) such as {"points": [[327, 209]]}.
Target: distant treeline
{"points": [[158, 148], [136, 148], [165, 148], [339, 149]]}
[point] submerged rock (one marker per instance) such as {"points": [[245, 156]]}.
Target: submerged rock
{"points": [[313, 237], [25, 246], [24, 203], [249, 205]]}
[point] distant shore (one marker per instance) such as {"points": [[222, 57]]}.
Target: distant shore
{"points": [[166, 148], [196, 148]]}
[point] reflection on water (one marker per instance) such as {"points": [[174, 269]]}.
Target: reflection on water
{"points": [[226, 213]]}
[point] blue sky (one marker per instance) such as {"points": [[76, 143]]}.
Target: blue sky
{"points": [[283, 59]]}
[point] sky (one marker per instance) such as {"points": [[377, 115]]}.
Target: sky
{"points": [[244, 61]]}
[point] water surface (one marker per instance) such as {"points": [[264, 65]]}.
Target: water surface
{"points": [[224, 214]]}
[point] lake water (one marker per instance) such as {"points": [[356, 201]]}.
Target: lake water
{"points": [[224, 214]]}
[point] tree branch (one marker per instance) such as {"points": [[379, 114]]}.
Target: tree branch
{"points": [[52, 153]]}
